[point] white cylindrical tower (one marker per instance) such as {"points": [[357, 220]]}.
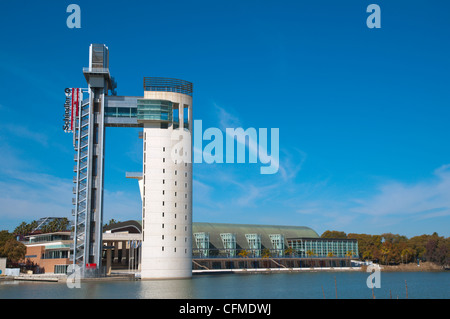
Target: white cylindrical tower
{"points": [[167, 178]]}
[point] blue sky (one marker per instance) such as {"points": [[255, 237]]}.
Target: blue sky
{"points": [[363, 113]]}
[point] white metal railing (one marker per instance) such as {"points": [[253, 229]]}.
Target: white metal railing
{"points": [[95, 70]]}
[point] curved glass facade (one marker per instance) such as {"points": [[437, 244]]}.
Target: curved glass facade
{"points": [[154, 110]]}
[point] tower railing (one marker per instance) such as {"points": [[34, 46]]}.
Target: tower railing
{"points": [[168, 85]]}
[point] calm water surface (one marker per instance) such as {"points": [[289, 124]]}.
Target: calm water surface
{"points": [[423, 285]]}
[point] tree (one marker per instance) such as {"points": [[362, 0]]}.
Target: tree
{"points": [[10, 248], [438, 250], [349, 253], [334, 234], [14, 251], [289, 251], [310, 253], [111, 222], [369, 246], [56, 225], [386, 251], [405, 253], [243, 253], [266, 253], [25, 229]]}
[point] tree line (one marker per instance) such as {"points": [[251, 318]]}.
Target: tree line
{"points": [[60, 224], [391, 248]]}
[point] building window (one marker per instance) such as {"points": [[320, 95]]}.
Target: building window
{"points": [[60, 269]]}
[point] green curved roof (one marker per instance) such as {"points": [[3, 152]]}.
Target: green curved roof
{"points": [[215, 229]]}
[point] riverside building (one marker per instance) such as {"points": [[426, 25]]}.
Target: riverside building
{"points": [[234, 246]]}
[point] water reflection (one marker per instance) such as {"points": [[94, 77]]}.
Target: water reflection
{"points": [[167, 289], [239, 286]]}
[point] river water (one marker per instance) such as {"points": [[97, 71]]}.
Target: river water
{"points": [[305, 285]]}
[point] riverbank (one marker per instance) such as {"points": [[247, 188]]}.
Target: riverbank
{"points": [[411, 267], [273, 270]]}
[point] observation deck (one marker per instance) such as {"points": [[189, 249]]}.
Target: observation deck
{"points": [[131, 111]]}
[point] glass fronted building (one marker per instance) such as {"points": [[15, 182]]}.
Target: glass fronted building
{"points": [[323, 247], [256, 241]]}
